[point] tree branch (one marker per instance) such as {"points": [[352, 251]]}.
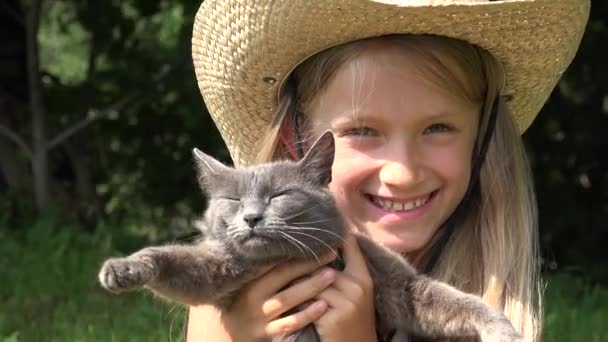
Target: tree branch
{"points": [[14, 137], [89, 119]]}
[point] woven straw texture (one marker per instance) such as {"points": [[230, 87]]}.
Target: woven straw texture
{"points": [[244, 49]]}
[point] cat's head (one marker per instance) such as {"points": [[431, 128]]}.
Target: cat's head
{"points": [[273, 210]]}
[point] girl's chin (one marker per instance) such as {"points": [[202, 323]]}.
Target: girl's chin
{"points": [[399, 244]]}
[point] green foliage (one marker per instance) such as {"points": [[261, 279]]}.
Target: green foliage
{"points": [[102, 52], [96, 54], [49, 292], [136, 162], [567, 144], [64, 44]]}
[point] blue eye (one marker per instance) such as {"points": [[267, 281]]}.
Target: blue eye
{"points": [[438, 128]]}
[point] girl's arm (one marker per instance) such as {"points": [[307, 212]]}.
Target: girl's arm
{"points": [[205, 324]]}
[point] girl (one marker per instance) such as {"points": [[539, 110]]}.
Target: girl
{"points": [[428, 159]]}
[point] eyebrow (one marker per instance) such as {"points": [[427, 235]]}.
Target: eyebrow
{"points": [[355, 118], [366, 118]]}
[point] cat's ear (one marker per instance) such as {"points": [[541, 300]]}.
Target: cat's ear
{"points": [[316, 164], [208, 168]]}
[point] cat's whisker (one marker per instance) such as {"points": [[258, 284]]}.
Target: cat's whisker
{"points": [[293, 238], [285, 227], [300, 213], [274, 222], [297, 242], [172, 321], [230, 228], [231, 234], [321, 241], [296, 228], [282, 246], [306, 246], [287, 238], [313, 222]]}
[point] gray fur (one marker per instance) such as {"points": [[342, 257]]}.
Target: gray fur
{"points": [[283, 210]]}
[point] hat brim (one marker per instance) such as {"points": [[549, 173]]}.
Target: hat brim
{"points": [[244, 49]]}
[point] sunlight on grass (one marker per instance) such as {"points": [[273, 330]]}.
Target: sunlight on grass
{"points": [[53, 293], [49, 292]]}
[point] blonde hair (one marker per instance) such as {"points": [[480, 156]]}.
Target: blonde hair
{"points": [[493, 252]]}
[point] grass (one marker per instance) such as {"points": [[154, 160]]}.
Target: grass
{"points": [[49, 292], [575, 310]]}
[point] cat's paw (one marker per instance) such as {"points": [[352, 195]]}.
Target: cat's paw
{"points": [[500, 331], [126, 274]]}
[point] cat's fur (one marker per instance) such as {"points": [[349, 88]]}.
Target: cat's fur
{"points": [[263, 214]]}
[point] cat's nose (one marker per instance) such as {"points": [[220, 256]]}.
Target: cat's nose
{"points": [[252, 219]]}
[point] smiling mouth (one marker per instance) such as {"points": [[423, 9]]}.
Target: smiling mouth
{"points": [[395, 205]]}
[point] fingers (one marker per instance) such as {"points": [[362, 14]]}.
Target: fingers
{"points": [[353, 258], [355, 282], [335, 298], [280, 276], [263, 270], [350, 313], [298, 293], [347, 288], [297, 321]]}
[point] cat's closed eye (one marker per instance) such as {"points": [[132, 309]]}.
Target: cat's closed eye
{"points": [[229, 198], [285, 192]]}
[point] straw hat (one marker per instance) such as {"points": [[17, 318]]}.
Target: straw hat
{"points": [[243, 50]]}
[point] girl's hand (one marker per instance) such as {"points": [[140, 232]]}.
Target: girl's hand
{"points": [[255, 314], [351, 313]]}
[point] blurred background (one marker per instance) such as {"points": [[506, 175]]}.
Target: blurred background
{"points": [[99, 110]]}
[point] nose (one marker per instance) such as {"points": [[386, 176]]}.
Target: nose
{"points": [[401, 169], [252, 219]]}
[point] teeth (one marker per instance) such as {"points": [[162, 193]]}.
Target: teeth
{"points": [[400, 206]]}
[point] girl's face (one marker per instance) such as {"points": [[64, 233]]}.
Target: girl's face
{"points": [[403, 148]]}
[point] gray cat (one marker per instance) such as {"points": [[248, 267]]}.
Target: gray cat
{"points": [[256, 212]]}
